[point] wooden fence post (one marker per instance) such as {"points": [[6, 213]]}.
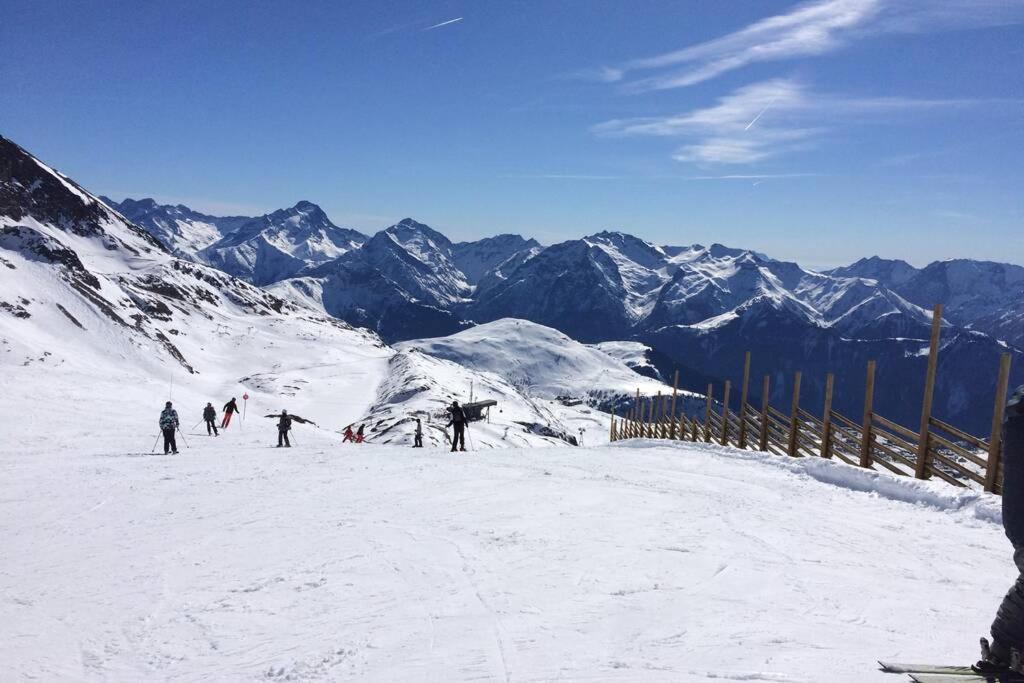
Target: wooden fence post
{"points": [[995, 446], [638, 415], [656, 417], [725, 414], [921, 466], [743, 401], [664, 417], [869, 407], [707, 414], [675, 391], [650, 418], [611, 430], [794, 415], [826, 419], [762, 437]]}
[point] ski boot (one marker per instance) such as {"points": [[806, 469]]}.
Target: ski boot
{"points": [[997, 659]]}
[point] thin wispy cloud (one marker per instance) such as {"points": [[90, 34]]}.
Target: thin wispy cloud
{"points": [[807, 30], [443, 23], [789, 117], [561, 176], [752, 176]]}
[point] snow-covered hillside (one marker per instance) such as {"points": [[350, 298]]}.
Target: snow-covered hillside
{"points": [[634, 355], [651, 562], [539, 360]]}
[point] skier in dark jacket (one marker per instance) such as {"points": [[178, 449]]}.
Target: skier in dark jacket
{"points": [[359, 433], [1008, 627], [457, 421], [230, 408], [168, 425], [210, 417], [284, 425], [418, 442]]}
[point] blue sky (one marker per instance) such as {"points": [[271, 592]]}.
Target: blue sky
{"points": [[819, 131]]}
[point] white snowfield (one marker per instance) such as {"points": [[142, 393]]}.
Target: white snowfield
{"points": [[540, 360], [642, 561]]}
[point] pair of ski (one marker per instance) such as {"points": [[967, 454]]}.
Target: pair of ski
{"points": [[925, 673]]}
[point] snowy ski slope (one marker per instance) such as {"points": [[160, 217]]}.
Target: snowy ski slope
{"points": [[637, 562]]}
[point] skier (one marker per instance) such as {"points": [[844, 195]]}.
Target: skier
{"points": [[457, 421], [284, 424], [418, 443], [210, 416], [168, 425], [1008, 627], [349, 435], [230, 408], [359, 433]]}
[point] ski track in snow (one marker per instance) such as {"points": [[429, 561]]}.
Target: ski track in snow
{"points": [[234, 561]]}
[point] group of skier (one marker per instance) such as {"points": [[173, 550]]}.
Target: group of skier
{"points": [[170, 426], [354, 437]]}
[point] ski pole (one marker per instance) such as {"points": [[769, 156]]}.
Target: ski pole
{"points": [[183, 439], [153, 449], [197, 423]]}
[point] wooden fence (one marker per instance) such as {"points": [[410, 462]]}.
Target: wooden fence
{"points": [[934, 449]]}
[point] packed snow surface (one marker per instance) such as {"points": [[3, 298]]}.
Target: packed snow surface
{"points": [[642, 561]]}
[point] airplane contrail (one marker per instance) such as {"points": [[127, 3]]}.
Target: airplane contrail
{"points": [[761, 113], [443, 23]]}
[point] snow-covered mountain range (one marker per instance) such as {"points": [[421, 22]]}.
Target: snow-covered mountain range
{"points": [[979, 295], [97, 315], [259, 250], [695, 308]]}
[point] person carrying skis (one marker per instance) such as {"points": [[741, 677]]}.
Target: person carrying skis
{"points": [[230, 408], [1008, 628], [284, 424], [418, 442], [168, 425], [349, 435], [457, 421], [359, 433], [210, 417]]}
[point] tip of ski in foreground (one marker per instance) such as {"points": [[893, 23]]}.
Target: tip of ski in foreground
{"points": [[966, 678], [930, 673]]}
